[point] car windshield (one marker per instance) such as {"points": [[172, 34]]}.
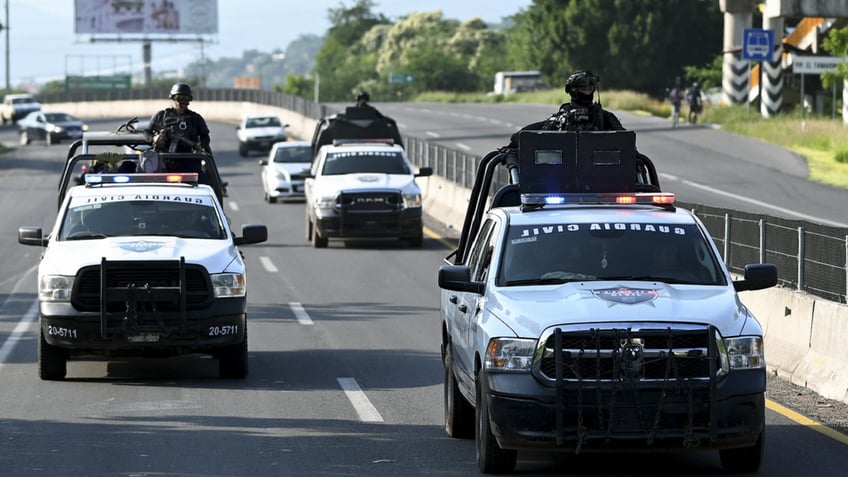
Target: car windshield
{"points": [[59, 117], [87, 221], [560, 253], [270, 121], [294, 154], [351, 162], [23, 100]]}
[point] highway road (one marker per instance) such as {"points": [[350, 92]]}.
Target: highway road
{"points": [[345, 373]]}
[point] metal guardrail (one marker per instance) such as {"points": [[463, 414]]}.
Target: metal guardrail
{"points": [[810, 257]]}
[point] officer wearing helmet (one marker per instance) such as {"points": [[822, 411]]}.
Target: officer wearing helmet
{"points": [[179, 129], [362, 101], [582, 113]]}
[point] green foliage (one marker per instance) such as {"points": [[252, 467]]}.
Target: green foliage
{"points": [[836, 44], [640, 45], [299, 86], [841, 156]]}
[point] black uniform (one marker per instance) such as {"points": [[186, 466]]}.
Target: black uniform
{"points": [[179, 132], [574, 116]]}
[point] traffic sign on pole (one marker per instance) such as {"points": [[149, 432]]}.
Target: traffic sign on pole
{"points": [[758, 44]]}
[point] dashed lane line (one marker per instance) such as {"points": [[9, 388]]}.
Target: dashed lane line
{"points": [[363, 407]]}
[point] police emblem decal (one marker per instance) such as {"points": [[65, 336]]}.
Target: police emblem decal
{"points": [[626, 295]]}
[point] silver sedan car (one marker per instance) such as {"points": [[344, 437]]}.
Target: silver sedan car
{"points": [[282, 171]]}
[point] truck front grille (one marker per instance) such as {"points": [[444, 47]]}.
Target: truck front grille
{"points": [[627, 354]]}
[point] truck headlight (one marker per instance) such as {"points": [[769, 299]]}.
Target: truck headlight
{"points": [[411, 201], [228, 285], [510, 354], [743, 352], [55, 288], [326, 202]]}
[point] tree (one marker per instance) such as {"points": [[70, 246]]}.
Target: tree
{"points": [[632, 44], [836, 44]]}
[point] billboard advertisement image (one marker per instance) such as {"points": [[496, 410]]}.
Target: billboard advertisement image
{"points": [[100, 17]]}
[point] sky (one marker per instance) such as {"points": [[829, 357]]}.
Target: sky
{"points": [[42, 43]]}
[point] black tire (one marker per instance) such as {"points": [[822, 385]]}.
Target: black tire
{"points": [[308, 225], [232, 361], [416, 242], [317, 240], [745, 459], [52, 361], [459, 414], [491, 459], [243, 151]]}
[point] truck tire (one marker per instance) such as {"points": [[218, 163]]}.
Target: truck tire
{"points": [[243, 151], [491, 458], [52, 361], [317, 240], [459, 415], [745, 459], [232, 361]]}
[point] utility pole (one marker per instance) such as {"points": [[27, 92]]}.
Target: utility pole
{"points": [[6, 27]]}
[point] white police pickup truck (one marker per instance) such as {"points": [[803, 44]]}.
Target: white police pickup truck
{"points": [[141, 265], [584, 312], [363, 189]]}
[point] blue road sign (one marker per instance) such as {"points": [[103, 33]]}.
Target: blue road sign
{"points": [[758, 44]]}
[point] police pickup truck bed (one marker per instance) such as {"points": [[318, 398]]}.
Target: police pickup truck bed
{"points": [[583, 312]]}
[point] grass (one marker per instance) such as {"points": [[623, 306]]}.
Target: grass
{"points": [[823, 142]]}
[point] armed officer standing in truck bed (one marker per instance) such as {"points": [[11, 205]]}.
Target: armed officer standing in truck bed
{"points": [[179, 129]]}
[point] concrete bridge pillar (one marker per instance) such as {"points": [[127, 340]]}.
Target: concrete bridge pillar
{"points": [[738, 16], [771, 72]]}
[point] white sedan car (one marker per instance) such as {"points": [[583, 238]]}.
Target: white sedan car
{"points": [[282, 172], [259, 133]]}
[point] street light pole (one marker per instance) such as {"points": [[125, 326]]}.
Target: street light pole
{"points": [[6, 27]]}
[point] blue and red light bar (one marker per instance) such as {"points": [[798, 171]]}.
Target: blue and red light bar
{"points": [[151, 178], [619, 198]]}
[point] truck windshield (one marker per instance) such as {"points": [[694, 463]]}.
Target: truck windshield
{"points": [[559, 253], [379, 162], [141, 217]]}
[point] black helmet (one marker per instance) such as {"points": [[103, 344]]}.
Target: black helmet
{"points": [[182, 89], [363, 96], [579, 79]]}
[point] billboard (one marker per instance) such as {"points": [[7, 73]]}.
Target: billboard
{"points": [[174, 17]]}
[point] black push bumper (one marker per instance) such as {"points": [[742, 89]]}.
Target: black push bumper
{"points": [[728, 412]]}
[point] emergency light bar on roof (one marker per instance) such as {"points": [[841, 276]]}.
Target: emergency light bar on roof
{"points": [[153, 178], [341, 142], [663, 199]]}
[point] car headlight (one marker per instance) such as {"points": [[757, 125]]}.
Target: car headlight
{"points": [[283, 176], [510, 354], [55, 288], [743, 352], [411, 201], [56, 129], [227, 285]]}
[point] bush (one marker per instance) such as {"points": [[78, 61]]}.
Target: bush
{"points": [[841, 156]]}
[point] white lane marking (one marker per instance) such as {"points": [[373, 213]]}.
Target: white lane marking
{"points": [[233, 205], [766, 205], [366, 411], [268, 264], [432, 134], [21, 328], [463, 146], [299, 313]]}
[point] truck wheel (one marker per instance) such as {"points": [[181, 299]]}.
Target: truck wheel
{"points": [[243, 150], [459, 415], [52, 361], [317, 240], [232, 361], [415, 242], [491, 459], [308, 224], [745, 459]]}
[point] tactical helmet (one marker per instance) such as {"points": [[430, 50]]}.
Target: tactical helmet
{"points": [[363, 96], [181, 89], [579, 79]]}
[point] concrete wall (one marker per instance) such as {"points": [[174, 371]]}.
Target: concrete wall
{"points": [[804, 334]]}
